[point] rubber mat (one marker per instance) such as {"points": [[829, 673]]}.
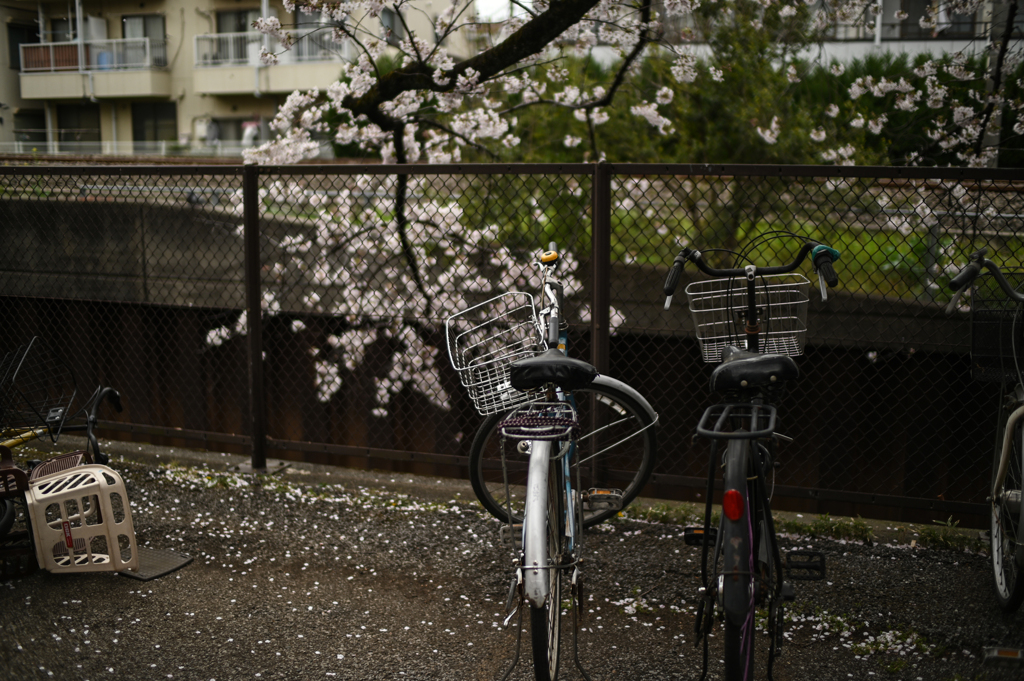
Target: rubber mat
{"points": [[155, 563]]}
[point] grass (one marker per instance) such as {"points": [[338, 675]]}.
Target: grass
{"points": [[824, 525], [670, 514], [947, 535]]}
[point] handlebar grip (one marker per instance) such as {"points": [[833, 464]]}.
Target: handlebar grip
{"points": [[672, 280], [966, 276], [828, 273]]}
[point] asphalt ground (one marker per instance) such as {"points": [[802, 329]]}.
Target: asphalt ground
{"points": [[324, 573]]}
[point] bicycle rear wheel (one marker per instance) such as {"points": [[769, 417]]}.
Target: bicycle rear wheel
{"points": [[545, 622], [617, 448], [1006, 530]]}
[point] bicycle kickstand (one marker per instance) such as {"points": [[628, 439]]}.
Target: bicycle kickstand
{"points": [[515, 591], [577, 605]]}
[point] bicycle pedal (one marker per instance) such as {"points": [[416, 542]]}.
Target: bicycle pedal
{"points": [[694, 536], [1003, 657], [516, 538], [788, 594], [602, 499], [803, 565]]}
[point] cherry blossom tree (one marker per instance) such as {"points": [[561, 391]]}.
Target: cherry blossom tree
{"points": [[431, 106]]}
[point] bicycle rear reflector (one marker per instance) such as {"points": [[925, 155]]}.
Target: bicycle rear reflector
{"points": [[732, 504]]}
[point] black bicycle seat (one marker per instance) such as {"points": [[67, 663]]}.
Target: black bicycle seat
{"points": [[551, 366], [743, 370]]}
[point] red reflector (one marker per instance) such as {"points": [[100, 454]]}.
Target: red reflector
{"points": [[732, 504]]}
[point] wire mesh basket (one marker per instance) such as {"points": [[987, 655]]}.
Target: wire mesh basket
{"points": [[484, 340], [36, 390], [997, 329], [718, 308]]}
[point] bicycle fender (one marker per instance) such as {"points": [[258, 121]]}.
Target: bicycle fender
{"points": [[614, 383], [736, 548], [536, 584]]}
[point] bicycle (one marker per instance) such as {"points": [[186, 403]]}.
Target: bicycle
{"points": [[995, 342], [37, 398], [730, 310], [555, 434]]}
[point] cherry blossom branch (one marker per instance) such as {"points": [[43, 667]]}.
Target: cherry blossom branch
{"points": [[997, 75]]}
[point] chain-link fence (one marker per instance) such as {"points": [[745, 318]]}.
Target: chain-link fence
{"points": [[148, 279]]}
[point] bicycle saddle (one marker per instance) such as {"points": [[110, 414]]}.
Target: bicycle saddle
{"points": [[551, 366], [742, 370]]}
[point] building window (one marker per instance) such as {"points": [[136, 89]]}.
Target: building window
{"points": [[78, 128], [62, 30], [391, 24], [30, 126], [237, 21], [18, 35], [152, 124], [145, 26]]}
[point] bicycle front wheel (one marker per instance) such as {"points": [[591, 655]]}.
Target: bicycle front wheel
{"points": [[616, 448], [1006, 531], [545, 621]]}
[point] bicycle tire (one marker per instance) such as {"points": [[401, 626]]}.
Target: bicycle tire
{"points": [[737, 596], [545, 621], [627, 466], [7, 516], [1005, 526]]}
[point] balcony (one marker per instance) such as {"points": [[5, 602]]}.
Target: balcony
{"points": [[229, 64], [132, 67], [98, 55]]}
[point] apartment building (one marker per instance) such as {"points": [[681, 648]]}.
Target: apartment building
{"points": [[185, 77], [160, 76]]}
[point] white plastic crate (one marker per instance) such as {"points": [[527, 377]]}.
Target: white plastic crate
{"points": [[82, 522], [717, 307]]}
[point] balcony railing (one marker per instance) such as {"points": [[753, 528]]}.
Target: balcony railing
{"points": [[98, 55], [243, 49]]}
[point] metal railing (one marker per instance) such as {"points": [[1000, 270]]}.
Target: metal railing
{"points": [[94, 55], [294, 312], [243, 49]]}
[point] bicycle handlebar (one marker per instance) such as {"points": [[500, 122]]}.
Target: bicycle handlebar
{"points": [[976, 263], [822, 257]]}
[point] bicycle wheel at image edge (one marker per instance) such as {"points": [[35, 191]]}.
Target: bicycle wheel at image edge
{"points": [[623, 422], [1005, 532], [545, 622], [737, 598]]}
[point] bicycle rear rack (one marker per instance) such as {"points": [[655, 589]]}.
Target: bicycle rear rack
{"points": [[541, 421], [718, 419]]}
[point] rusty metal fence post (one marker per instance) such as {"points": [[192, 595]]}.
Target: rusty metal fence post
{"points": [[600, 263], [253, 303]]}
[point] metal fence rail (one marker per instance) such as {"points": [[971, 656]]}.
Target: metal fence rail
{"points": [[297, 312]]}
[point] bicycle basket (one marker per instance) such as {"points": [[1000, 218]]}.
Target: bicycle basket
{"points": [[36, 390], [484, 340], [997, 329], [718, 308]]}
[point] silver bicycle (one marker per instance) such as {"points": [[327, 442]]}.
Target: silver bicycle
{"points": [[996, 329], [555, 433]]}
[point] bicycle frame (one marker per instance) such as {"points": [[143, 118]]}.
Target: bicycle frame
{"points": [[536, 580]]}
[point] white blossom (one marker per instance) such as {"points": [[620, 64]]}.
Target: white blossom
{"points": [[771, 133]]}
